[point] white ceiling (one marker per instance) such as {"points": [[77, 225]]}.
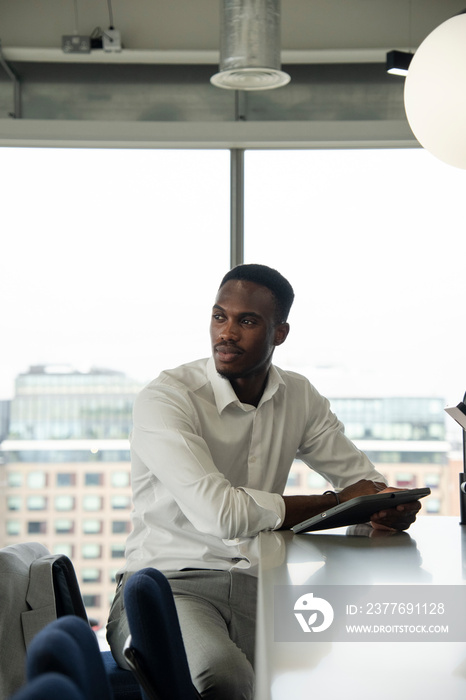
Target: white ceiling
{"points": [[194, 24]]}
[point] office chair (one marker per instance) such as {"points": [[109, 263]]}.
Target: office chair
{"points": [[69, 646], [68, 601], [37, 587], [155, 650], [48, 686]]}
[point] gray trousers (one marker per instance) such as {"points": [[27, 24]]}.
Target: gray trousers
{"points": [[217, 614]]}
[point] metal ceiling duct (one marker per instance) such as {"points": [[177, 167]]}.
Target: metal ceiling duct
{"points": [[250, 46]]}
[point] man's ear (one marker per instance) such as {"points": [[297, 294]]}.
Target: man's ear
{"points": [[281, 332]]}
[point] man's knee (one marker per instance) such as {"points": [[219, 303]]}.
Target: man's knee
{"points": [[226, 679]]}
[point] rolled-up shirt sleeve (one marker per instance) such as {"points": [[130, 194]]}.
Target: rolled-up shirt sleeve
{"points": [[167, 447]]}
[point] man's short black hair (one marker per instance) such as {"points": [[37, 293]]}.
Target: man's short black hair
{"points": [[267, 277]]}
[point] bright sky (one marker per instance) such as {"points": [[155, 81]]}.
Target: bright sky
{"points": [[374, 242], [112, 258]]}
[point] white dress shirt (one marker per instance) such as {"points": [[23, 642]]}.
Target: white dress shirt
{"points": [[208, 471]]}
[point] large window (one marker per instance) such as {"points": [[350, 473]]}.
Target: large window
{"points": [[374, 243], [110, 258]]}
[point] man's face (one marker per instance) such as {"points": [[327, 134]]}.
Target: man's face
{"points": [[243, 329]]}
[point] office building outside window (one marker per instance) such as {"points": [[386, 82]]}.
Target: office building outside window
{"points": [[55, 477]]}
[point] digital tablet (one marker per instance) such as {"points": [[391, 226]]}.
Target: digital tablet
{"points": [[358, 510]]}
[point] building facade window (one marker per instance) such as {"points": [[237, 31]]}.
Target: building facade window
{"points": [[14, 502], [64, 503], [92, 503], [91, 600], [37, 528], [117, 551], [13, 527], [405, 480], [432, 505], [64, 548], [92, 526], [66, 479], [93, 479], [91, 575], [14, 480], [432, 480], [64, 526], [120, 479], [36, 503], [37, 480], [120, 527], [91, 551], [120, 502]]}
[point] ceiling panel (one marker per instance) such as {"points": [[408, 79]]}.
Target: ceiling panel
{"points": [[194, 24]]}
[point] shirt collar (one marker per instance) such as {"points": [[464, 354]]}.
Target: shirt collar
{"points": [[225, 395]]}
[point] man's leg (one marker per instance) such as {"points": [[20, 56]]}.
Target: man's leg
{"points": [[217, 620], [216, 611], [117, 625]]}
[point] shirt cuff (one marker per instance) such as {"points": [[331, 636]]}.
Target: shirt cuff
{"points": [[272, 504]]}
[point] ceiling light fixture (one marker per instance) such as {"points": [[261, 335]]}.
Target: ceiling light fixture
{"points": [[435, 95], [398, 62], [250, 46]]}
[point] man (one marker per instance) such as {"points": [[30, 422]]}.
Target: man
{"points": [[212, 445]]}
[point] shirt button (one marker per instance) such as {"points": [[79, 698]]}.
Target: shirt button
{"points": [[253, 459]]}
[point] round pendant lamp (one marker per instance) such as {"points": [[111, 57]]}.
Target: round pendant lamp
{"points": [[435, 92]]}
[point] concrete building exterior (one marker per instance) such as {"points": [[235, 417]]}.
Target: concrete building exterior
{"points": [[65, 472]]}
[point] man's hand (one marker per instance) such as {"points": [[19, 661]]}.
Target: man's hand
{"points": [[299, 508], [399, 518], [361, 488]]}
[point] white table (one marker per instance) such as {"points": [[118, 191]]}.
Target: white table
{"points": [[432, 552]]}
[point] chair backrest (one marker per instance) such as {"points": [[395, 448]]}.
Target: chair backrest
{"points": [[49, 686], [68, 601], [156, 652], [68, 598], [69, 646]]}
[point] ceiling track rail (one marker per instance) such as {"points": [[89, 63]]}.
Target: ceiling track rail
{"points": [[194, 57]]}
